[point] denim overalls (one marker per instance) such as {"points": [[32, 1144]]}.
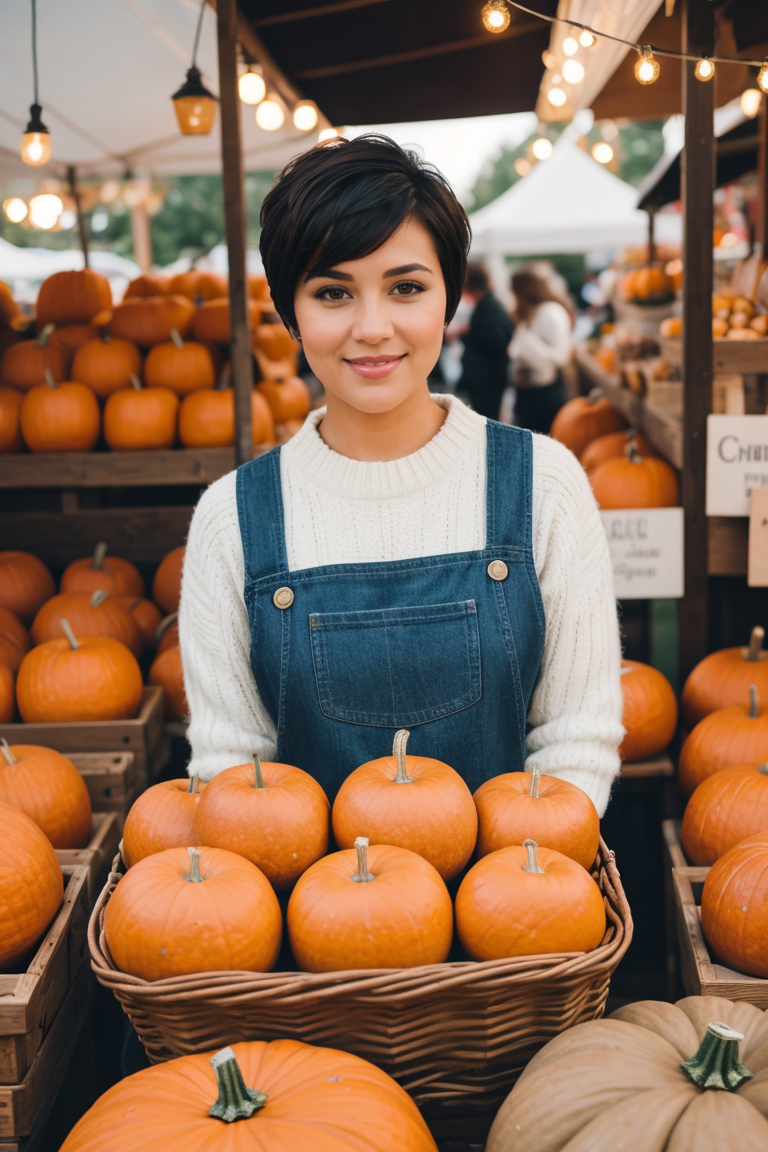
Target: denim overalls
{"points": [[446, 646]]}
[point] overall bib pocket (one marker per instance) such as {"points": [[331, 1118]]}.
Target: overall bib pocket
{"points": [[396, 667]]}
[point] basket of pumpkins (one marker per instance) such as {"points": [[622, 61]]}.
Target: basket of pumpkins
{"points": [[446, 937]]}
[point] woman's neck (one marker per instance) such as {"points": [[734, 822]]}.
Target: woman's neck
{"points": [[381, 435]]}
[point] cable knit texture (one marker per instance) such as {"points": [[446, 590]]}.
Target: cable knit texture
{"points": [[343, 511]]}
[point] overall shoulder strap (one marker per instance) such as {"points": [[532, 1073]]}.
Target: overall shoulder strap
{"points": [[260, 512], [509, 487]]}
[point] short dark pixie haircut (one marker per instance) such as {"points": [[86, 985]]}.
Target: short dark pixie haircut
{"points": [[342, 200]]}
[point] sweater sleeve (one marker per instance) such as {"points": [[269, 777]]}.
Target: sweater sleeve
{"points": [[545, 342], [575, 714], [227, 720]]}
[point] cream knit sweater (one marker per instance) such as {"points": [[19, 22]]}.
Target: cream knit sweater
{"points": [[343, 511]]}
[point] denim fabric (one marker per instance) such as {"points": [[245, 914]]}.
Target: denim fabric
{"points": [[433, 644]]}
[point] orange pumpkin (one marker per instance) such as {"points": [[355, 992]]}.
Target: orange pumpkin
{"points": [[149, 320], [26, 364], [199, 285], [258, 287], [49, 789], [162, 817], [722, 679], [167, 671], [211, 323], [730, 736], [652, 285], [114, 575], [635, 481], [25, 584], [71, 337], [7, 693], [585, 418], [650, 711], [72, 297], [60, 418], [147, 615], [377, 907], [106, 365], [207, 419], [14, 639], [276, 342], [289, 398], [138, 418], [166, 586], [725, 809], [148, 284], [410, 802], [553, 812], [9, 309], [90, 614], [613, 446], [526, 901], [10, 419], [734, 907], [93, 678], [182, 367], [283, 1096], [190, 910], [28, 865], [273, 814]]}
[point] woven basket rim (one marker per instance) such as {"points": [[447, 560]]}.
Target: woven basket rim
{"points": [[384, 983]]}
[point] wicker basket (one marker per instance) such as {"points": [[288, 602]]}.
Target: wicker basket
{"points": [[457, 1034]]}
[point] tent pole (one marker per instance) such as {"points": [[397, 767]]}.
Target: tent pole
{"points": [[142, 236], [651, 235], [235, 224], [82, 227]]}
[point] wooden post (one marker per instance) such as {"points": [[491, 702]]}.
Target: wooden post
{"points": [[241, 355], [761, 207], [142, 236], [82, 227], [651, 235], [698, 184]]}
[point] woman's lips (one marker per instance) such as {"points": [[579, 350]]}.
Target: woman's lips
{"points": [[375, 367]]}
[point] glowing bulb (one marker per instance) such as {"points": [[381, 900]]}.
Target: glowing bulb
{"points": [[44, 210], [522, 166], [327, 134], [609, 130], [573, 72], [647, 67], [542, 148], [496, 15], [602, 152], [270, 115], [36, 148], [750, 101], [705, 69], [549, 59], [251, 87], [556, 97], [15, 209], [570, 46], [587, 39], [305, 115], [762, 77]]}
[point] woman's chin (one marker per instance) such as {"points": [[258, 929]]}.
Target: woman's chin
{"points": [[374, 396]]}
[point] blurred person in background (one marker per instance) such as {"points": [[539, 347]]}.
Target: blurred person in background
{"points": [[485, 363], [540, 349]]}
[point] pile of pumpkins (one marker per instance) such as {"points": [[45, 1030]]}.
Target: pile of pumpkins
{"points": [[143, 373], [206, 862], [74, 656], [734, 317], [647, 286], [623, 467]]}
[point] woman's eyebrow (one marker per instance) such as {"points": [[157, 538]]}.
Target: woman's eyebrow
{"points": [[404, 269], [327, 274]]}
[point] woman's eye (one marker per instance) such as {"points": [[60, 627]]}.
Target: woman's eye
{"points": [[333, 294], [408, 288]]}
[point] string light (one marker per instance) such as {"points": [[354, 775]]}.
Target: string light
{"points": [[36, 147], [587, 39], [570, 46], [573, 72], [750, 101], [251, 87], [327, 134], [15, 209], [542, 148], [305, 115], [609, 130], [556, 97], [194, 105], [522, 166], [762, 76], [496, 15], [270, 115], [705, 69], [549, 59], [602, 152], [44, 210], [647, 67]]}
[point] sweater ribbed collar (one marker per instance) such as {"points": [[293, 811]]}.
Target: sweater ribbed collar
{"points": [[462, 433]]}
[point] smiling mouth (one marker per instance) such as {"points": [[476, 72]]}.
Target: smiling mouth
{"points": [[374, 361]]}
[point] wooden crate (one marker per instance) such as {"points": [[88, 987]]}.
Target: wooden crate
{"points": [[644, 769], [111, 779], [30, 1000], [674, 857], [98, 855], [143, 736]]}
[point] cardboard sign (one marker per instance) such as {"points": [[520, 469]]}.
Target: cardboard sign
{"points": [[737, 462], [757, 568], [646, 546]]}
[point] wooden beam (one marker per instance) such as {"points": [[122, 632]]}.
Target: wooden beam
{"points": [[698, 186], [761, 207], [313, 13], [241, 355]]}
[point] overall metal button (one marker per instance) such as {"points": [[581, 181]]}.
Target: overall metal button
{"points": [[283, 598], [497, 570]]}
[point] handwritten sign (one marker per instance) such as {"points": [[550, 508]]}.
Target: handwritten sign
{"points": [[737, 462], [646, 546]]}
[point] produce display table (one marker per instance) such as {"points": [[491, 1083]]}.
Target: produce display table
{"points": [[99, 852]]}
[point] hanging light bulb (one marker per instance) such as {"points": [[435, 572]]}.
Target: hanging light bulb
{"points": [[647, 67], [326, 134], [44, 210], [705, 69], [542, 148], [602, 152], [15, 209], [549, 59], [750, 101], [270, 115], [570, 46], [762, 77], [587, 39], [496, 15], [522, 166], [36, 147], [195, 106], [305, 115], [251, 87], [557, 97], [573, 72]]}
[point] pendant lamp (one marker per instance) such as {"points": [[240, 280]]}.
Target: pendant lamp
{"points": [[36, 144], [195, 106]]}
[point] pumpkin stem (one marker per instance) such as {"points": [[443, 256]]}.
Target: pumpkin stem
{"points": [[135, 382], [257, 772], [49, 378], [99, 553], [45, 335], [755, 650], [98, 598], [176, 338], [716, 1064], [194, 785], [362, 875], [398, 750], [195, 876], [763, 769], [594, 395], [535, 778], [754, 702], [67, 630], [236, 1100], [632, 453], [5, 748], [531, 864]]}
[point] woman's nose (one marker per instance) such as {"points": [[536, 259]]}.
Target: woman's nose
{"points": [[372, 322]]}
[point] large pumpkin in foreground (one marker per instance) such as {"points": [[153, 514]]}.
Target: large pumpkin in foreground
{"points": [[734, 907], [31, 884], [162, 817], [284, 1096], [653, 1077], [725, 808]]}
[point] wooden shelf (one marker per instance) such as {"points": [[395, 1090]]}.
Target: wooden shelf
{"points": [[117, 469], [729, 356], [643, 769], [145, 535]]}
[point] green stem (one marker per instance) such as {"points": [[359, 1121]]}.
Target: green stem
{"points": [[236, 1100], [755, 650], [259, 779], [763, 769], [398, 751], [362, 875], [595, 395], [99, 553], [98, 598], [45, 335], [532, 864], [66, 628], [5, 748], [176, 338], [195, 876], [194, 786], [754, 703], [135, 382], [49, 378], [716, 1064], [535, 779]]}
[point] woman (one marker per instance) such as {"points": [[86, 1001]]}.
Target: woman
{"points": [[540, 349], [485, 362], [401, 562]]}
